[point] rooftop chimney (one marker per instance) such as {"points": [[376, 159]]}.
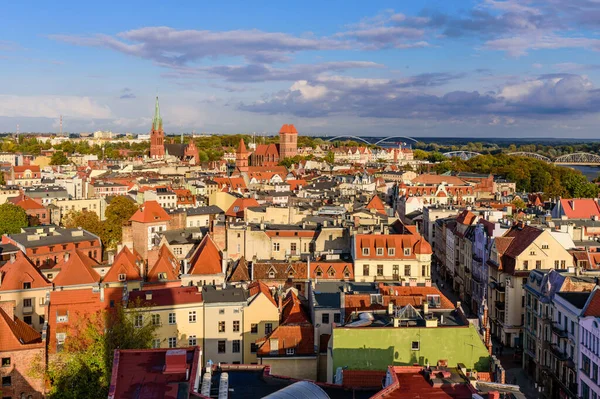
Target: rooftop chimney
{"points": [[66, 256], [13, 258]]}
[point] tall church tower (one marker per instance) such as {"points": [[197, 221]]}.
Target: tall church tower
{"points": [[157, 135], [241, 157], [288, 141]]}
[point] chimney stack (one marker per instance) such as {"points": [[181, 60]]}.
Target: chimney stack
{"points": [[67, 255]]}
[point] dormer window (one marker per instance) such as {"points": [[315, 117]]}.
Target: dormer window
{"points": [[365, 251], [406, 251], [331, 271], [161, 276], [271, 274], [27, 286], [379, 251], [391, 251], [122, 277], [319, 272]]}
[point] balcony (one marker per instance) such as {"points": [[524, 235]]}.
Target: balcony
{"points": [[27, 309], [559, 331], [559, 353]]}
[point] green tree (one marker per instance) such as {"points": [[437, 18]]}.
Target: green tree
{"points": [[12, 218], [519, 203], [117, 213], [87, 220], [83, 369], [436, 157], [59, 158], [330, 157]]}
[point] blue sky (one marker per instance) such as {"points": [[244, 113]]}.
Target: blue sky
{"points": [[486, 68]]}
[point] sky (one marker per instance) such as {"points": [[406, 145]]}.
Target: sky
{"points": [[459, 68]]}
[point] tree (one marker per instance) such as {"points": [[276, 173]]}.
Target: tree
{"points": [[12, 218], [87, 220], [59, 158], [118, 212], [519, 203], [330, 157], [83, 369]]}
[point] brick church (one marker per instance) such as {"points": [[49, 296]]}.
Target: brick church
{"points": [[161, 150], [268, 154]]}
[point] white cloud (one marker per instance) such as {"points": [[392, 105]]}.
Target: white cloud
{"points": [[46, 106], [309, 92]]}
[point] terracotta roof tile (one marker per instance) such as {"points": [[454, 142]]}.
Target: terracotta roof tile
{"points": [[78, 269], [15, 334], [13, 275], [165, 296], [593, 305], [299, 337], [124, 264], [399, 242], [237, 208], [207, 259], [166, 267], [376, 204], [150, 212], [240, 272], [580, 208], [258, 287]]}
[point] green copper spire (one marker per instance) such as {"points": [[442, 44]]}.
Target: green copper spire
{"points": [[157, 121]]}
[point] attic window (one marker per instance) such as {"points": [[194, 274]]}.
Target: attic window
{"points": [[122, 277], [545, 246], [406, 251], [290, 351], [531, 252], [331, 271], [236, 209], [162, 276], [379, 251], [319, 272], [365, 251], [271, 274], [27, 286], [391, 251]]}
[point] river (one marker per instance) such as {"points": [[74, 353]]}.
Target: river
{"points": [[591, 172]]}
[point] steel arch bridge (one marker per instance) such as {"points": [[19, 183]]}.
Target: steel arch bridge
{"points": [[348, 137], [464, 155], [580, 158], [395, 137], [367, 142], [530, 155]]}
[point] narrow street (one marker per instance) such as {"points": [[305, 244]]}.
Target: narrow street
{"points": [[514, 372]]}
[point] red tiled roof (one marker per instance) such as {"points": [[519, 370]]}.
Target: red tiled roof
{"points": [[593, 305], [165, 296], [23, 168], [166, 263], [237, 208], [416, 243], [332, 270], [26, 202], [78, 269], [466, 217], [124, 263], [398, 295], [580, 208], [266, 150], [299, 337], [207, 259], [16, 334], [13, 275], [242, 147], [282, 270], [258, 287], [376, 204], [292, 312], [240, 272], [295, 184], [150, 212], [288, 129]]}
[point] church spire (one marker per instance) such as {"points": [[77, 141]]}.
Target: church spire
{"points": [[157, 121]]}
